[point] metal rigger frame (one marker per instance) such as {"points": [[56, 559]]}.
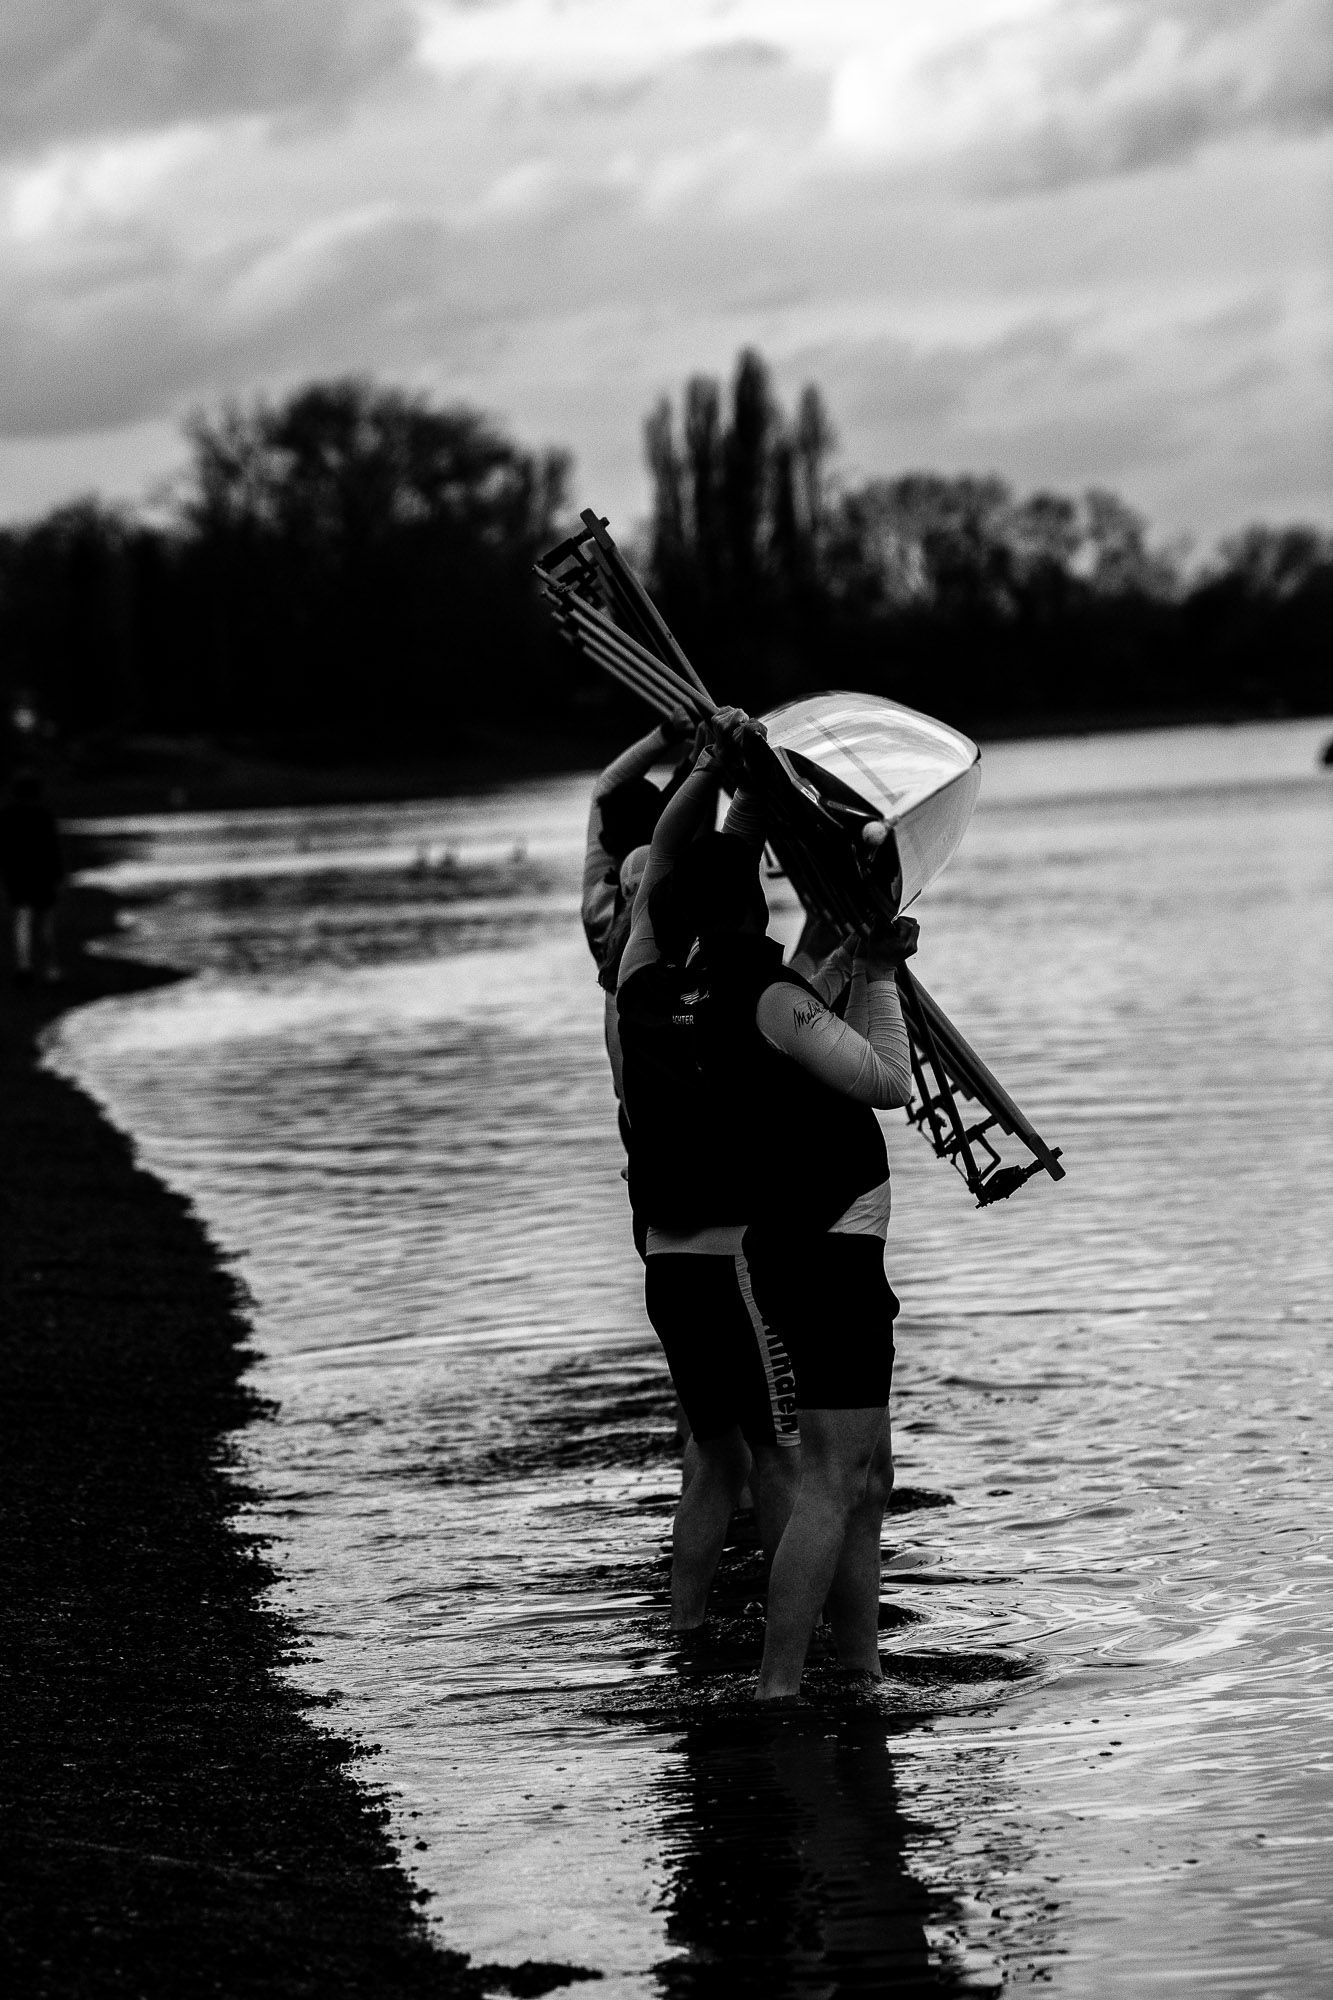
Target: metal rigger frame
{"points": [[606, 615]]}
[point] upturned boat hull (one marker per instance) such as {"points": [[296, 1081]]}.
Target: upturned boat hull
{"points": [[863, 763]]}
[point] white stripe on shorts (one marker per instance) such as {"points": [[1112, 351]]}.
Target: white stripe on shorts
{"points": [[777, 1364]]}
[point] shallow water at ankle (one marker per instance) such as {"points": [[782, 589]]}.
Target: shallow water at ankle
{"points": [[1100, 1761]]}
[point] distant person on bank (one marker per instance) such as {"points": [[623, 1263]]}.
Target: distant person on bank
{"points": [[31, 872]]}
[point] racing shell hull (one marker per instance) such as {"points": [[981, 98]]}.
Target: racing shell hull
{"points": [[899, 786]]}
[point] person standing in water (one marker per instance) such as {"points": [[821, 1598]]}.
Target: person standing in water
{"points": [[819, 1277], [31, 872], [798, 1089], [732, 1377]]}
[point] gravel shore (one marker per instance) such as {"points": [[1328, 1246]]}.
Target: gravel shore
{"points": [[175, 1819]]}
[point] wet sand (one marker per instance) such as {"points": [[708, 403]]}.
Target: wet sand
{"points": [[176, 1820]]}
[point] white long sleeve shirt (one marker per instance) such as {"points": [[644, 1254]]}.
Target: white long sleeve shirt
{"points": [[866, 1057]]}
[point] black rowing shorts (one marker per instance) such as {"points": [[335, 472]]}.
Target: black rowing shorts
{"points": [[727, 1367], [829, 1302]]}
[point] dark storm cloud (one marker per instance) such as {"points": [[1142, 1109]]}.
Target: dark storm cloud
{"points": [[558, 209], [1257, 314], [916, 389], [1083, 447], [72, 69], [749, 53], [145, 332], [615, 97], [1165, 81]]}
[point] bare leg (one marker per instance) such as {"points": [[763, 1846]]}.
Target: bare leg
{"points": [[703, 1515], [775, 1478], [837, 1447], [689, 1465], [689, 1451], [853, 1600]]}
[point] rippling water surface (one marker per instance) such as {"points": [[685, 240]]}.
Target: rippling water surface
{"points": [[1100, 1764]]}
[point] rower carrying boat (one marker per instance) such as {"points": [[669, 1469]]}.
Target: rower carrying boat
{"points": [[867, 802]]}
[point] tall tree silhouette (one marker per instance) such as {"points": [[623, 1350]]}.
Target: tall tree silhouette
{"points": [[747, 473], [363, 558], [739, 509], [669, 539], [813, 442], [951, 591], [704, 462], [346, 576]]}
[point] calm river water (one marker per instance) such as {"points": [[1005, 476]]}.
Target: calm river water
{"points": [[1101, 1763]]}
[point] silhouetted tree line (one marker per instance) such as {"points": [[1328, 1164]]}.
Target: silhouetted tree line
{"points": [[346, 576], [954, 594]]}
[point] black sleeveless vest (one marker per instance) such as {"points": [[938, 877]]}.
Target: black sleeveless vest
{"points": [[682, 1164], [803, 1151]]}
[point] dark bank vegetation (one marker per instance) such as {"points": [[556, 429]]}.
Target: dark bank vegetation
{"points": [[173, 1819], [344, 578]]}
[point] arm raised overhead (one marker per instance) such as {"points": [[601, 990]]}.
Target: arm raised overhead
{"points": [[690, 811]]}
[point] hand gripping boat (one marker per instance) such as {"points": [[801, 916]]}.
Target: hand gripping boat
{"points": [[866, 801]]}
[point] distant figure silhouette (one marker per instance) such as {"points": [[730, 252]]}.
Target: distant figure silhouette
{"points": [[31, 871]]}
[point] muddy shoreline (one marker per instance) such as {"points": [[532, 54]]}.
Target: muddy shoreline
{"points": [[176, 1819]]}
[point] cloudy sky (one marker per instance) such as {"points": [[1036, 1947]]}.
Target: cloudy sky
{"points": [[1071, 241]]}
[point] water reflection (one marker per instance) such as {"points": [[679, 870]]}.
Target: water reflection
{"points": [[786, 1848], [795, 1864], [794, 1868]]}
